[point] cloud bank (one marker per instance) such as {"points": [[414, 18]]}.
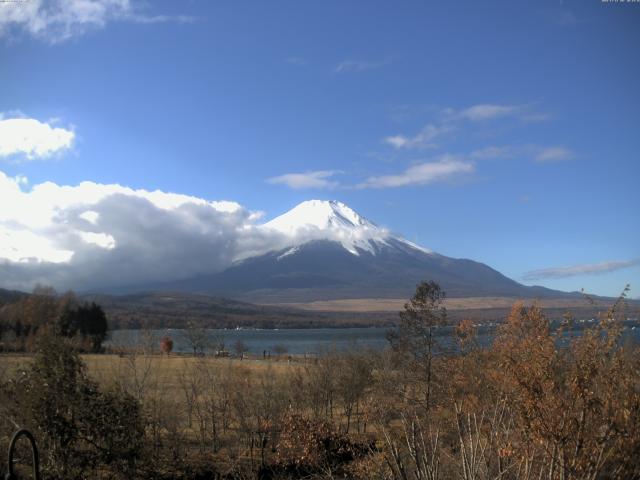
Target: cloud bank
{"points": [[95, 235], [31, 139], [577, 270]]}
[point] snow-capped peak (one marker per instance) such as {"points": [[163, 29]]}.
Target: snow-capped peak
{"points": [[332, 220], [321, 214]]}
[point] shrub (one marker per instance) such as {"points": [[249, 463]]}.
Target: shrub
{"points": [[166, 344], [81, 429]]}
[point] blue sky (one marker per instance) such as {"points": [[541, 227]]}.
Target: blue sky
{"points": [[505, 132]]}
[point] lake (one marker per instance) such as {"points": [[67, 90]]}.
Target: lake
{"points": [[309, 341]]}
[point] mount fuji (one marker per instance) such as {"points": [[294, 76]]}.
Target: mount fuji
{"points": [[328, 251]]}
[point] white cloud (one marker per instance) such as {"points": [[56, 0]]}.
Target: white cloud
{"points": [[553, 154], [535, 152], [487, 112], [351, 66], [59, 20], [24, 246], [100, 239], [446, 168], [423, 139], [90, 216], [577, 270], [30, 139], [150, 19], [491, 111], [298, 181], [450, 119]]}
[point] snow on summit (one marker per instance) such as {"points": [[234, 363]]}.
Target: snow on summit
{"points": [[321, 214], [332, 220]]}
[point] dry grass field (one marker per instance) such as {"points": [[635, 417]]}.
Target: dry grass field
{"points": [[396, 304], [104, 368]]}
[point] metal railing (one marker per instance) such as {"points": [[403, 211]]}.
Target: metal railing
{"points": [[35, 462]]}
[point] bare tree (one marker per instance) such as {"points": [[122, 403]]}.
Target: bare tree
{"points": [[217, 341], [321, 386], [279, 349], [240, 348], [196, 336], [353, 375]]}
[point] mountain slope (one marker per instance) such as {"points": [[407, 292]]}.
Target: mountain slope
{"points": [[9, 296], [333, 253], [321, 269]]}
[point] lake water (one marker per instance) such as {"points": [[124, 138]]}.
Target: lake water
{"points": [[307, 341]]}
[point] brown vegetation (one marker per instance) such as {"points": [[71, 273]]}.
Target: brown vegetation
{"points": [[536, 404]]}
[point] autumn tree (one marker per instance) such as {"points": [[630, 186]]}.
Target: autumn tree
{"points": [[577, 405], [46, 311], [414, 338], [166, 344], [29, 316]]}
